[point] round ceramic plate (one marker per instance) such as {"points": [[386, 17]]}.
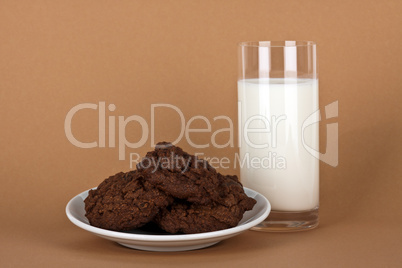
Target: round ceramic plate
{"points": [[155, 241]]}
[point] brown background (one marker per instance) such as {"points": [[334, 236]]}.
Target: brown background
{"points": [[57, 54]]}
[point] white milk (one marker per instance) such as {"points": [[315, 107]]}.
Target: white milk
{"points": [[283, 171]]}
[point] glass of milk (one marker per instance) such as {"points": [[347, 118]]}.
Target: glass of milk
{"points": [[278, 122]]}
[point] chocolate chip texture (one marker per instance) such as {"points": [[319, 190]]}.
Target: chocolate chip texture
{"points": [[225, 212], [205, 200], [123, 202]]}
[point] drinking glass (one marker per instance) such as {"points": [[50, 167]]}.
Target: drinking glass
{"points": [[278, 121]]}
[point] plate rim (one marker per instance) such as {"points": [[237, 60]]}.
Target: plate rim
{"points": [[169, 237]]}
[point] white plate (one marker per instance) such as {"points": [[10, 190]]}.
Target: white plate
{"points": [[140, 239]]}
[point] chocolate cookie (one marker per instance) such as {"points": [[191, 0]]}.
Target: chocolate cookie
{"points": [[205, 200], [179, 174], [124, 201], [224, 212], [189, 218]]}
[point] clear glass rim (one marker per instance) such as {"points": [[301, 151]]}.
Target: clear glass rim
{"points": [[285, 43]]}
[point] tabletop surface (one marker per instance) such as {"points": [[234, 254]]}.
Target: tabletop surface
{"points": [[44, 236]]}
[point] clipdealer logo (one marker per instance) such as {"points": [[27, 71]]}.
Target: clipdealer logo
{"points": [[270, 161], [148, 131]]}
